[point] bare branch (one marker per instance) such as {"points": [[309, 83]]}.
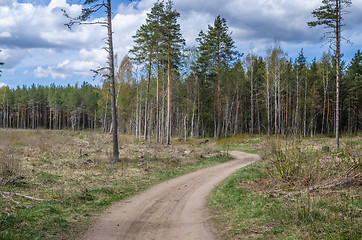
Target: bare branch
{"points": [[24, 196]]}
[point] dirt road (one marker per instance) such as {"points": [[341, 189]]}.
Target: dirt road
{"points": [[168, 211]]}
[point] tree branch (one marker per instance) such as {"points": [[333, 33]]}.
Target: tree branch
{"points": [[24, 196]]}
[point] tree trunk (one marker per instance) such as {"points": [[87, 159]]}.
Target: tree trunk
{"points": [[325, 85], [185, 128], [251, 96], [305, 109], [163, 107], [275, 103], [157, 101], [193, 119], [338, 60], [168, 121], [268, 99], [137, 112], [236, 122], [296, 125], [218, 95], [145, 134], [113, 95]]}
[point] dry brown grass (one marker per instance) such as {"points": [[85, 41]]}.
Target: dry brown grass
{"points": [[9, 165], [57, 180], [59, 164]]}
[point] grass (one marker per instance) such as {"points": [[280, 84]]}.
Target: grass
{"points": [[296, 192], [243, 142], [70, 175]]}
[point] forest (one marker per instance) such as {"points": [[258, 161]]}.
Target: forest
{"points": [[208, 90], [259, 126]]}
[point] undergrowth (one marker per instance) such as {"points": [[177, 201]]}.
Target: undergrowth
{"points": [[297, 191]]}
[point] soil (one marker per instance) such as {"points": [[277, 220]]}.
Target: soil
{"points": [[172, 210]]}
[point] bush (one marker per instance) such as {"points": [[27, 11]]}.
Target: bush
{"points": [[290, 163], [9, 166]]}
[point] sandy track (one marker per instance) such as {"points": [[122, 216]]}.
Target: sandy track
{"points": [[168, 211]]}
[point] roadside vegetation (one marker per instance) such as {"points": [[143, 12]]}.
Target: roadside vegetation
{"points": [[301, 189], [53, 183]]}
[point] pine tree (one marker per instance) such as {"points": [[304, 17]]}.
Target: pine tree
{"points": [[174, 42], [94, 6], [154, 22], [217, 51], [143, 53], [149, 43], [330, 15]]}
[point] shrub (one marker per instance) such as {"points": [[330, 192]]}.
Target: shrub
{"points": [[9, 166], [290, 163]]}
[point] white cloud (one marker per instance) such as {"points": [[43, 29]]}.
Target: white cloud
{"points": [[5, 35], [12, 57], [67, 69], [2, 84], [57, 71], [37, 26]]}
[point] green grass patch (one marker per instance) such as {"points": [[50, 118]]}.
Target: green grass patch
{"points": [[243, 142]]}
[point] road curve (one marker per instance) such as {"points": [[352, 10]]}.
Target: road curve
{"points": [[168, 211]]}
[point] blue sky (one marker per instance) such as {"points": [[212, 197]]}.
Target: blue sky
{"points": [[38, 49]]}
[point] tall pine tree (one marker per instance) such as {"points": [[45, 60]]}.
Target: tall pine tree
{"points": [[330, 15], [174, 43], [217, 49]]}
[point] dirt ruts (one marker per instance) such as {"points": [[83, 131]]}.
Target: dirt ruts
{"points": [[168, 211]]}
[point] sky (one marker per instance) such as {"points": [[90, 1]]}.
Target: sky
{"points": [[37, 48]]}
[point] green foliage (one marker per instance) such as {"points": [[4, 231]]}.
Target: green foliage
{"points": [[216, 47], [216, 56], [290, 96], [160, 36], [78, 104], [327, 15]]}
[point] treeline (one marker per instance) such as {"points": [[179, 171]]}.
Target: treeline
{"points": [[53, 107], [260, 95], [164, 89]]}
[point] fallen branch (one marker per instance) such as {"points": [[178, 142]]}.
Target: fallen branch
{"points": [[351, 169], [7, 195], [332, 184], [25, 196]]}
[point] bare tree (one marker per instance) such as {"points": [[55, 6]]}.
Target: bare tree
{"points": [[92, 7]]}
